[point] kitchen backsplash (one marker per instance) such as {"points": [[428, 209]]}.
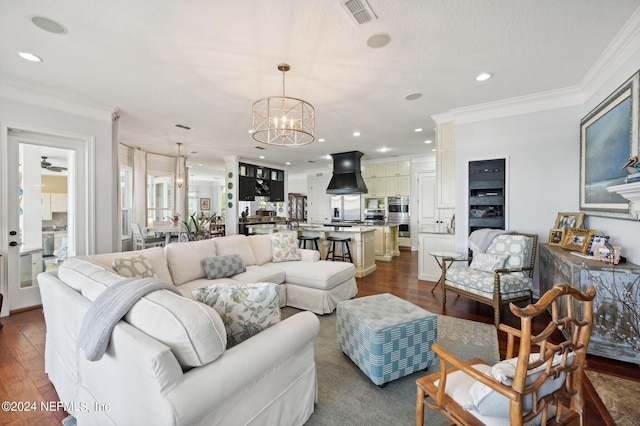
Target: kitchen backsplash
{"points": [[57, 223]]}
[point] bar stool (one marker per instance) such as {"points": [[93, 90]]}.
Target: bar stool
{"points": [[344, 249], [313, 242]]}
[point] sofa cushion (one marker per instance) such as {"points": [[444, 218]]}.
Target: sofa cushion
{"points": [[488, 262], [236, 244], [184, 259], [134, 266], [284, 246], [154, 255], [222, 266], [194, 332], [261, 246], [80, 274], [262, 273], [321, 275], [245, 309]]}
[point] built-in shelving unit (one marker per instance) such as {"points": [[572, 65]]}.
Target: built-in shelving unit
{"points": [[487, 194], [259, 181]]}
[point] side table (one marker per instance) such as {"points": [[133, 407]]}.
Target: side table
{"points": [[445, 259]]}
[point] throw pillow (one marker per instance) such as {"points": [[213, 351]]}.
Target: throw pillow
{"points": [[488, 262], [488, 402], [245, 309], [223, 266], [134, 266], [285, 247]]}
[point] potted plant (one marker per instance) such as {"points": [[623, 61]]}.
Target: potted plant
{"points": [[197, 228]]}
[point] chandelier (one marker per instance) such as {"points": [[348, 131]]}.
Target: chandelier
{"points": [[281, 120], [181, 176]]}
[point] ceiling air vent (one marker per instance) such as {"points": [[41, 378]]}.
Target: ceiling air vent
{"points": [[360, 10], [259, 147]]}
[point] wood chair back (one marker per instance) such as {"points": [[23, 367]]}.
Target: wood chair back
{"points": [[572, 315]]}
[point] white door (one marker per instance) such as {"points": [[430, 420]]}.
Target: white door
{"points": [[427, 212], [31, 223], [319, 203]]}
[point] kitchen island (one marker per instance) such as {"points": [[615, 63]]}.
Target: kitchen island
{"points": [[433, 239], [362, 244]]}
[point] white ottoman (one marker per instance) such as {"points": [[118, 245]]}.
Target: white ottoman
{"points": [[387, 337]]}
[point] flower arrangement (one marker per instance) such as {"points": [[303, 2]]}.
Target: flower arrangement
{"points": [[175, 218]]}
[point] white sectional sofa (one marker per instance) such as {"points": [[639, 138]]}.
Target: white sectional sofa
{"points": [[166, 363]]}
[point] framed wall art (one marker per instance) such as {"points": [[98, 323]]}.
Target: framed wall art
{"points": [[566, 221], [608, 137], [578, 239], [556, 236], [205, 204]]}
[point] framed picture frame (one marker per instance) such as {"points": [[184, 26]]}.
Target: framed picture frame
{"points": [[566, 221], [604, 254], [608, 137], [205, 204], [556, 236], [578, 239]]}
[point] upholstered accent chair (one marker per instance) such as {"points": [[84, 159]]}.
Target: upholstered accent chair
{"points": [[542, 385], [503, 274]]}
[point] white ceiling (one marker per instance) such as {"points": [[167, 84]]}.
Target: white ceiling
{"points": [[202, 63]]}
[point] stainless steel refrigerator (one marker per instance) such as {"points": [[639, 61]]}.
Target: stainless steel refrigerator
{"points": [[346, 208]]}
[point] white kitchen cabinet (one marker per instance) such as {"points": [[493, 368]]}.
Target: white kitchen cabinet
{"points": [[399, 185], [46, 206], [374, 170], [53, 203], [376, 186], [398, 168], [445, 165], [428, 268]]}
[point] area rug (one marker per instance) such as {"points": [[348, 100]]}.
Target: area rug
{"points": [[612, 391], [346, 396]]}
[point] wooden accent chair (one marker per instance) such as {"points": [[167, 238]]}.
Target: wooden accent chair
{"points": [[543, 385], [508, 279]]}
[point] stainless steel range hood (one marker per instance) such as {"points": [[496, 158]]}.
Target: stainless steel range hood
{"points": [[347, 177]]}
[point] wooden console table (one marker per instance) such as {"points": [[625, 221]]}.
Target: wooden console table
{"points": [[560, 266]]}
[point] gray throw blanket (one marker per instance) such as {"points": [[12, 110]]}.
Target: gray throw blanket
{"points": [[480, 239], [109, 308]]}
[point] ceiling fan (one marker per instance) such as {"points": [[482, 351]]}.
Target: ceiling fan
{"points": [[47, 165]]}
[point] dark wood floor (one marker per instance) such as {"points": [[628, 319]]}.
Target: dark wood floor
{"points": [[22, 376]]}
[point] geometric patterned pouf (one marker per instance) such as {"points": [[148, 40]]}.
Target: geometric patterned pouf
{"points": [[387, 337]]}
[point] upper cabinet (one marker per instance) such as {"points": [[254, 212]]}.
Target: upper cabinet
{"points": [[259, 181], [445, 165], [391, 178]]}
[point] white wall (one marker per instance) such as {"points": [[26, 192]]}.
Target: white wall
{"points": [[543, 156], [96, 123], [297, 183]]}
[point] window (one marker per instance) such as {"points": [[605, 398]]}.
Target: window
{"points": [[160, 197]]}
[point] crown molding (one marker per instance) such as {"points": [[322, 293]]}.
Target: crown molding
{"points": [[622, 48], [20, 91]]}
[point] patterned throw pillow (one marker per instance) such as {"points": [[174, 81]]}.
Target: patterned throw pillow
{"points": [[285, 247], [245, 309], [488, 262], [223, 266], [134, 266]]}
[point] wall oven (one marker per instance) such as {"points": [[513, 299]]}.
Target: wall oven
{"points": [[398, 213]]}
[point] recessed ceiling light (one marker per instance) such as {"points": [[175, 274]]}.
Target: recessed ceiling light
{"points": [[418, 130], [484, 76], [250, 131], [321, 140], [413, 96], [262, 157], [434, 150], [356, 134], [288, 163], [327, 157], [379, 40], [199, 164], [383, 149], [48, 25], [30, 57], [428, 141]]}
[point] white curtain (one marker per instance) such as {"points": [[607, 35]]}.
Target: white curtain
{"points": [[140, 187]]}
